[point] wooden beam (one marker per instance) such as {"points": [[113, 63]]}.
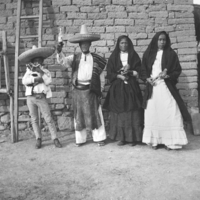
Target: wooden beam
{"points": [[40, 23], [16, 81]]}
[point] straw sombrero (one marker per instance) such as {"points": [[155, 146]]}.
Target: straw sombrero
{"points": [[43, 52], [84, 35]]}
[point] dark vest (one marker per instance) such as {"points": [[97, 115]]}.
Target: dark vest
{"points": [[98, 66]]}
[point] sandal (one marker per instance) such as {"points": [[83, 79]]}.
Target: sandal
{"points": [[101, 144]]}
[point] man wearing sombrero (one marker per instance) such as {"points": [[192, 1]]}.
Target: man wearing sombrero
{"points": [[87, 82], [37, 82]]}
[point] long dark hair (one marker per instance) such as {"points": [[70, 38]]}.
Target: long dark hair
{"points": [[152, 49]]}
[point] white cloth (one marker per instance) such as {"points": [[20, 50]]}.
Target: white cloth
{"points": [[124, 58], [40, 88], [97, 134], [163, 120]]}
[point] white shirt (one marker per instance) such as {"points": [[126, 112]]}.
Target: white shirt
{"points": [[41, 87], [124, 58], [85, 67], [157, 68]]}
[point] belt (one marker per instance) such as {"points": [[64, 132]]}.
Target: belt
{"points": [[38, 95], [81, 86]]}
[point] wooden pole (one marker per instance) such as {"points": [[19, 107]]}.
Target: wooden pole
{"points": [[40, 23], [16, 81]]}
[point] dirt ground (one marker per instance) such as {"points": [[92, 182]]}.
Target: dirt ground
{"points": [[97, 173]]}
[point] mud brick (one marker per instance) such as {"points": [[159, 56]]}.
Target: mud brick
{"points": [[191, 72], [6, 1], [60, 106], [186, 39], [59, 94], [82, 2], [60, 81], [98, 29], [187, 57], [103, 2], [11, 5], [187, 51], [122, 2], [193, 92], [102, 49], [143, 22], [184, 15], [110, 43], [61, 74], [138, 15], [48, 10], [2, 6], [136, 8], [165, 28], [61, 2], [187, 44], [104, 22], [63, 22], [53, 74], [187, 85], [96, 16], [6, 13], [188, 79], [69, 9], [142, 2], [89, 9], [182, 33], [124, 22], [117, 15], [161, 21], [189, 65], [113, 8], [135, 29], [2, 20], [76, 15], [48, 37], [115, 29], [57, 100], [159, 14], [179, 2], [180, 7], [99, 43], [143, 42], [79, 22], [161, 7], [107, 36]]}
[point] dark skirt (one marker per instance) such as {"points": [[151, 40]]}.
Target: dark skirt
{"points": [[85, 105], [126, 126]]}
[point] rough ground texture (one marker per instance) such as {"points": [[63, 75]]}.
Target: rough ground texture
{"points": [[97, 173]]}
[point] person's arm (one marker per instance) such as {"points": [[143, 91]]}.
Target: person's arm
{"points": [[61, 59]]}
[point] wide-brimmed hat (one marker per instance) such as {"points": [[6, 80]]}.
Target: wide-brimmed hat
{"points": [[84, 35], [42, 52]]}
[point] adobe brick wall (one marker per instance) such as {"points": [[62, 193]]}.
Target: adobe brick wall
{"points": [[139, 19]]}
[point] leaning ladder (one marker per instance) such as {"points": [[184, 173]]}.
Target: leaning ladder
{"points": [[17, 44], [6, 89]]}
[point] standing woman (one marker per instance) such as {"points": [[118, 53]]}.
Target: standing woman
{"points": [[124, 98], [164, 108]]}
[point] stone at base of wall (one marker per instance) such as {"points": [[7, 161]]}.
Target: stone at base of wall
{"points": [[195, 120]]}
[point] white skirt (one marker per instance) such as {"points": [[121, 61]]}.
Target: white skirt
{"points": [[163, 120]]}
